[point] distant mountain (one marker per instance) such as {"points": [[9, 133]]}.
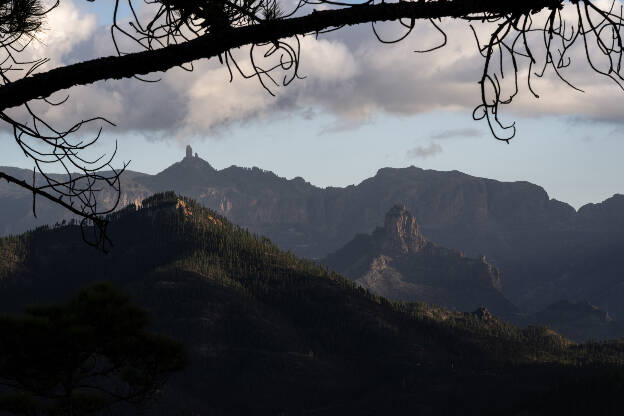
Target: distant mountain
{"points": [[579, 321], [16, 204], [546, 250], [270, 334], [396, 261]]}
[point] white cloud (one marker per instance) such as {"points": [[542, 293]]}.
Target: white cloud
{"points": [[467, 132], [213, 101], [65, 27], [327, 60]]}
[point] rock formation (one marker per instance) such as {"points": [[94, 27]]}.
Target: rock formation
{"points": [[401, 231], [398, 262]]}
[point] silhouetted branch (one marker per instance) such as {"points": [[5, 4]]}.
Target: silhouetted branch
{"points": [[214, 44], [88, 219], [42, 142]]}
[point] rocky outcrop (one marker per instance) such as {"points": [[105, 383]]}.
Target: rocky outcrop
{"points": [[483, 314], [401, 232], [398, 262]]}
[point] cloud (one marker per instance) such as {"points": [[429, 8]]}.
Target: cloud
{"points": [[65, 27], [457, 133], [421, 152], [348, 75]]}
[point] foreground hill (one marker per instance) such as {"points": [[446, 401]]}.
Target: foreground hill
{"points": [[546, 250], [396, 261], [270, 334]]}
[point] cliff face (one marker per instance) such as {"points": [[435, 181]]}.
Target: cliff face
{"points": [[398, 262], [400, 234]]}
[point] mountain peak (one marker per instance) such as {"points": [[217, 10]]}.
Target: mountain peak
{"points": [[195, 160], [398, 262], [401, 231]]}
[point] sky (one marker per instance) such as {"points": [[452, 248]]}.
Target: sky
{"points": [[362, 106]]}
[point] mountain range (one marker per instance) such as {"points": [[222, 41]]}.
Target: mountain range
{"points": [[269, 333], [547, 251]]}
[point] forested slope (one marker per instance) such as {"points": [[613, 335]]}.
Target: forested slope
{"points": [[269, 333]]}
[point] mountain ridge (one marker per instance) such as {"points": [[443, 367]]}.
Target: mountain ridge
{"points": [[26, 173], [546, 249]]}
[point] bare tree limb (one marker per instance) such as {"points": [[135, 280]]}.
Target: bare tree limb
{"points": [[95, 220]]}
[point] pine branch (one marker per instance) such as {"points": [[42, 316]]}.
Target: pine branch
{"points": [[210, 45]]}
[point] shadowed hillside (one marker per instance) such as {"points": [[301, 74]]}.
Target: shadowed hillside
{"points": [[578, 321], [269, 333]]}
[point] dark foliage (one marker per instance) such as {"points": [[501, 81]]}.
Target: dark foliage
{"points": [[269, 333], [82, 356]]}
